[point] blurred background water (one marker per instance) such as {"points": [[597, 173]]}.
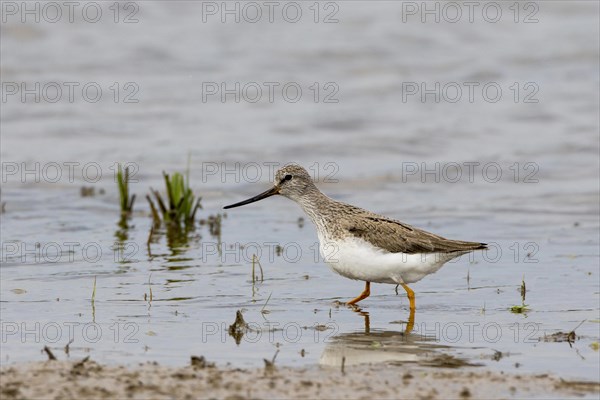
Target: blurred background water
{"points": [[393, 107]]}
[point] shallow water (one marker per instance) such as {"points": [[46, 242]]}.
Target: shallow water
{"points": [[371, 149]]}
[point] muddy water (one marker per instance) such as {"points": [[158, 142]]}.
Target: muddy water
{"points": [[520, 175]]}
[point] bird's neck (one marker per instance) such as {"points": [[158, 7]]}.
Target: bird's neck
{"points": [[316, 205]]}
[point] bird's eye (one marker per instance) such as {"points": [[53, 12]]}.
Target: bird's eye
{"points": [[288, 177]]}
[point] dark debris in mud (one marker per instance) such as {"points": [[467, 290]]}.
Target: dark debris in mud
{"points": [[199, 362], [558, 337], [447, 361]]}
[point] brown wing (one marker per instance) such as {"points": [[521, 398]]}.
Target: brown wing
{"points": [[397, 237]]}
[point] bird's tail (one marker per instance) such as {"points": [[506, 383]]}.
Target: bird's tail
{"points": [[460, 246]]}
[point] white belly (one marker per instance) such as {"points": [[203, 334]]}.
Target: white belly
{"points": [[358, 259]]}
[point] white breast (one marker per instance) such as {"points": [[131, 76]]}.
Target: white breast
{"points": [[358, 259]]}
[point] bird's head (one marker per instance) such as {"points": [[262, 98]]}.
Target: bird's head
{"points": [[291, 181]]}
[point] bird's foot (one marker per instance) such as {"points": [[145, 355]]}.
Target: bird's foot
{"points": [[349, 304], [338, 304]]}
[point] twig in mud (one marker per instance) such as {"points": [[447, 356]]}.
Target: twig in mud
{"points": [[49, 353], [67, 346], [80, 363], [343, 365], [270, 365]]}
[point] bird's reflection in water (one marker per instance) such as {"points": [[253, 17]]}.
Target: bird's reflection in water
{"points": [[376, 346], [409, 324]]}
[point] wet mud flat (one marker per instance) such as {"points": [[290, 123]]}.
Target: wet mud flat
{"points": [[86, 379]]}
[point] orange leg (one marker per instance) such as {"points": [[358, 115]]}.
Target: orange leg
{"points": [[411, 322], [411, 296], [411, 300], [366, 293]]}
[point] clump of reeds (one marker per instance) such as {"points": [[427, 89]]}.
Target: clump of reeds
{"points": [[125, 200], [181, 206]]}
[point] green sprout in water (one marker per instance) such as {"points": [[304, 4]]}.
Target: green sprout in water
{"points": [[523, 308], [123, 182], [182, 204]]}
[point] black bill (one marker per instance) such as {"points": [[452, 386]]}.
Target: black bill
{"points": [[274, 190]]}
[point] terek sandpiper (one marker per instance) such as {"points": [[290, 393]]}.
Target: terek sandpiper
{"points": [[361, 245]]}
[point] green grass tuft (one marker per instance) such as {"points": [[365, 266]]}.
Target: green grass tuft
{"points": [[181, 204], [125, 200]]}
